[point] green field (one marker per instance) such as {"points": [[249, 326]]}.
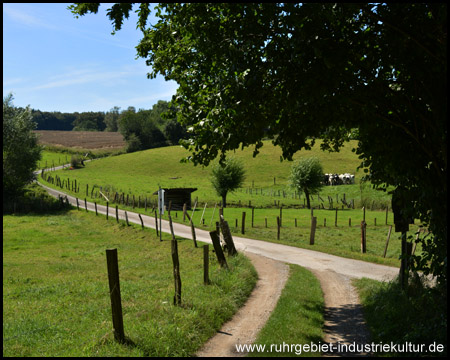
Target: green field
{"points": [[56, 296], [51, 159], [141, 173]]}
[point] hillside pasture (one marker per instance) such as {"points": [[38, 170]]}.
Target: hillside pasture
{"points": [[141, 173], [138, 175]]}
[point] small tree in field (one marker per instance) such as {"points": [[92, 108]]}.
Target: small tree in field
{"points": [[227, 177], [307, 175]]}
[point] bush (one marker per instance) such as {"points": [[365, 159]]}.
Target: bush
{"points": [[133, 143], [76, 161]]}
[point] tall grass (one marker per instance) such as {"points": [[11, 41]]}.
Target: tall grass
{"points": [[417, 316]]}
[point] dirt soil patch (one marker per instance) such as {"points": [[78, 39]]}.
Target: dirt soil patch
{"points": [[81, 139]]}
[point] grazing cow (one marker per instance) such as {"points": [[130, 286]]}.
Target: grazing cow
{"points": [[339, 179], [334, 179], [346, 178]]}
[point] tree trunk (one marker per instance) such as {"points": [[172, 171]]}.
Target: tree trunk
{"points": [[308, 203], [224, 200]]}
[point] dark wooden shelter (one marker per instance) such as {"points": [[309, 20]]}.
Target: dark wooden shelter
{"points": [[178, 197]]}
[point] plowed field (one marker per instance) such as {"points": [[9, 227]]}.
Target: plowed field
{"points": [[81, 139]]}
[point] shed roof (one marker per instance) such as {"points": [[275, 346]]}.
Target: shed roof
{"points": [[176, 190]]}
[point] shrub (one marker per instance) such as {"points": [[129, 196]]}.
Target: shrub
{"points": [[76, 161]]}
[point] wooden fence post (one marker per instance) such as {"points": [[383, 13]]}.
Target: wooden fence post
{"points": [[78, 205], [228, 238], [194, 237], [201, 219], [217, 248], [212, 217], [387, 241], [142, 221], [206, 264], [253, 215], [403, 268], [313, 230], [107, 210], [363, 237], [156, 223], [85, 204], [176, 272], [335, 217], [126, 218], [243, 223], [114, 293], [95, 208], [117, 213], [278, 227], [171, 227]]}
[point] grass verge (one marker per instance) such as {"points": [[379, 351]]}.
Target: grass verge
{"points": [[415, 320], [297, 319]]}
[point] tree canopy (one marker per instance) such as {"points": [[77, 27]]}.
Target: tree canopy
{"points": [[295, 72], [307, 176], [21, 151], [227, 177]]}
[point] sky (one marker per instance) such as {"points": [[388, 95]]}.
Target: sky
{"points": [[55, 62]]}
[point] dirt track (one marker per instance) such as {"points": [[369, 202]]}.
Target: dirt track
{"points": [[344, 322], [250, 319]]}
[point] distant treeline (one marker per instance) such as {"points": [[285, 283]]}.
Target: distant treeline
{"points": [[141, 129]]}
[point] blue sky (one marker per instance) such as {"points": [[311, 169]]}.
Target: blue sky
{"points": [[55, 62]]}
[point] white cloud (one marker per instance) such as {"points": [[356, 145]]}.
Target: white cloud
{"points": [[22, 16], [83, 76], [10, 82]]}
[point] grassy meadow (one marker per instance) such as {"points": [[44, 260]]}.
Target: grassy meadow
{"points": [[266, 189], [55, 289], [141, 173]]}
